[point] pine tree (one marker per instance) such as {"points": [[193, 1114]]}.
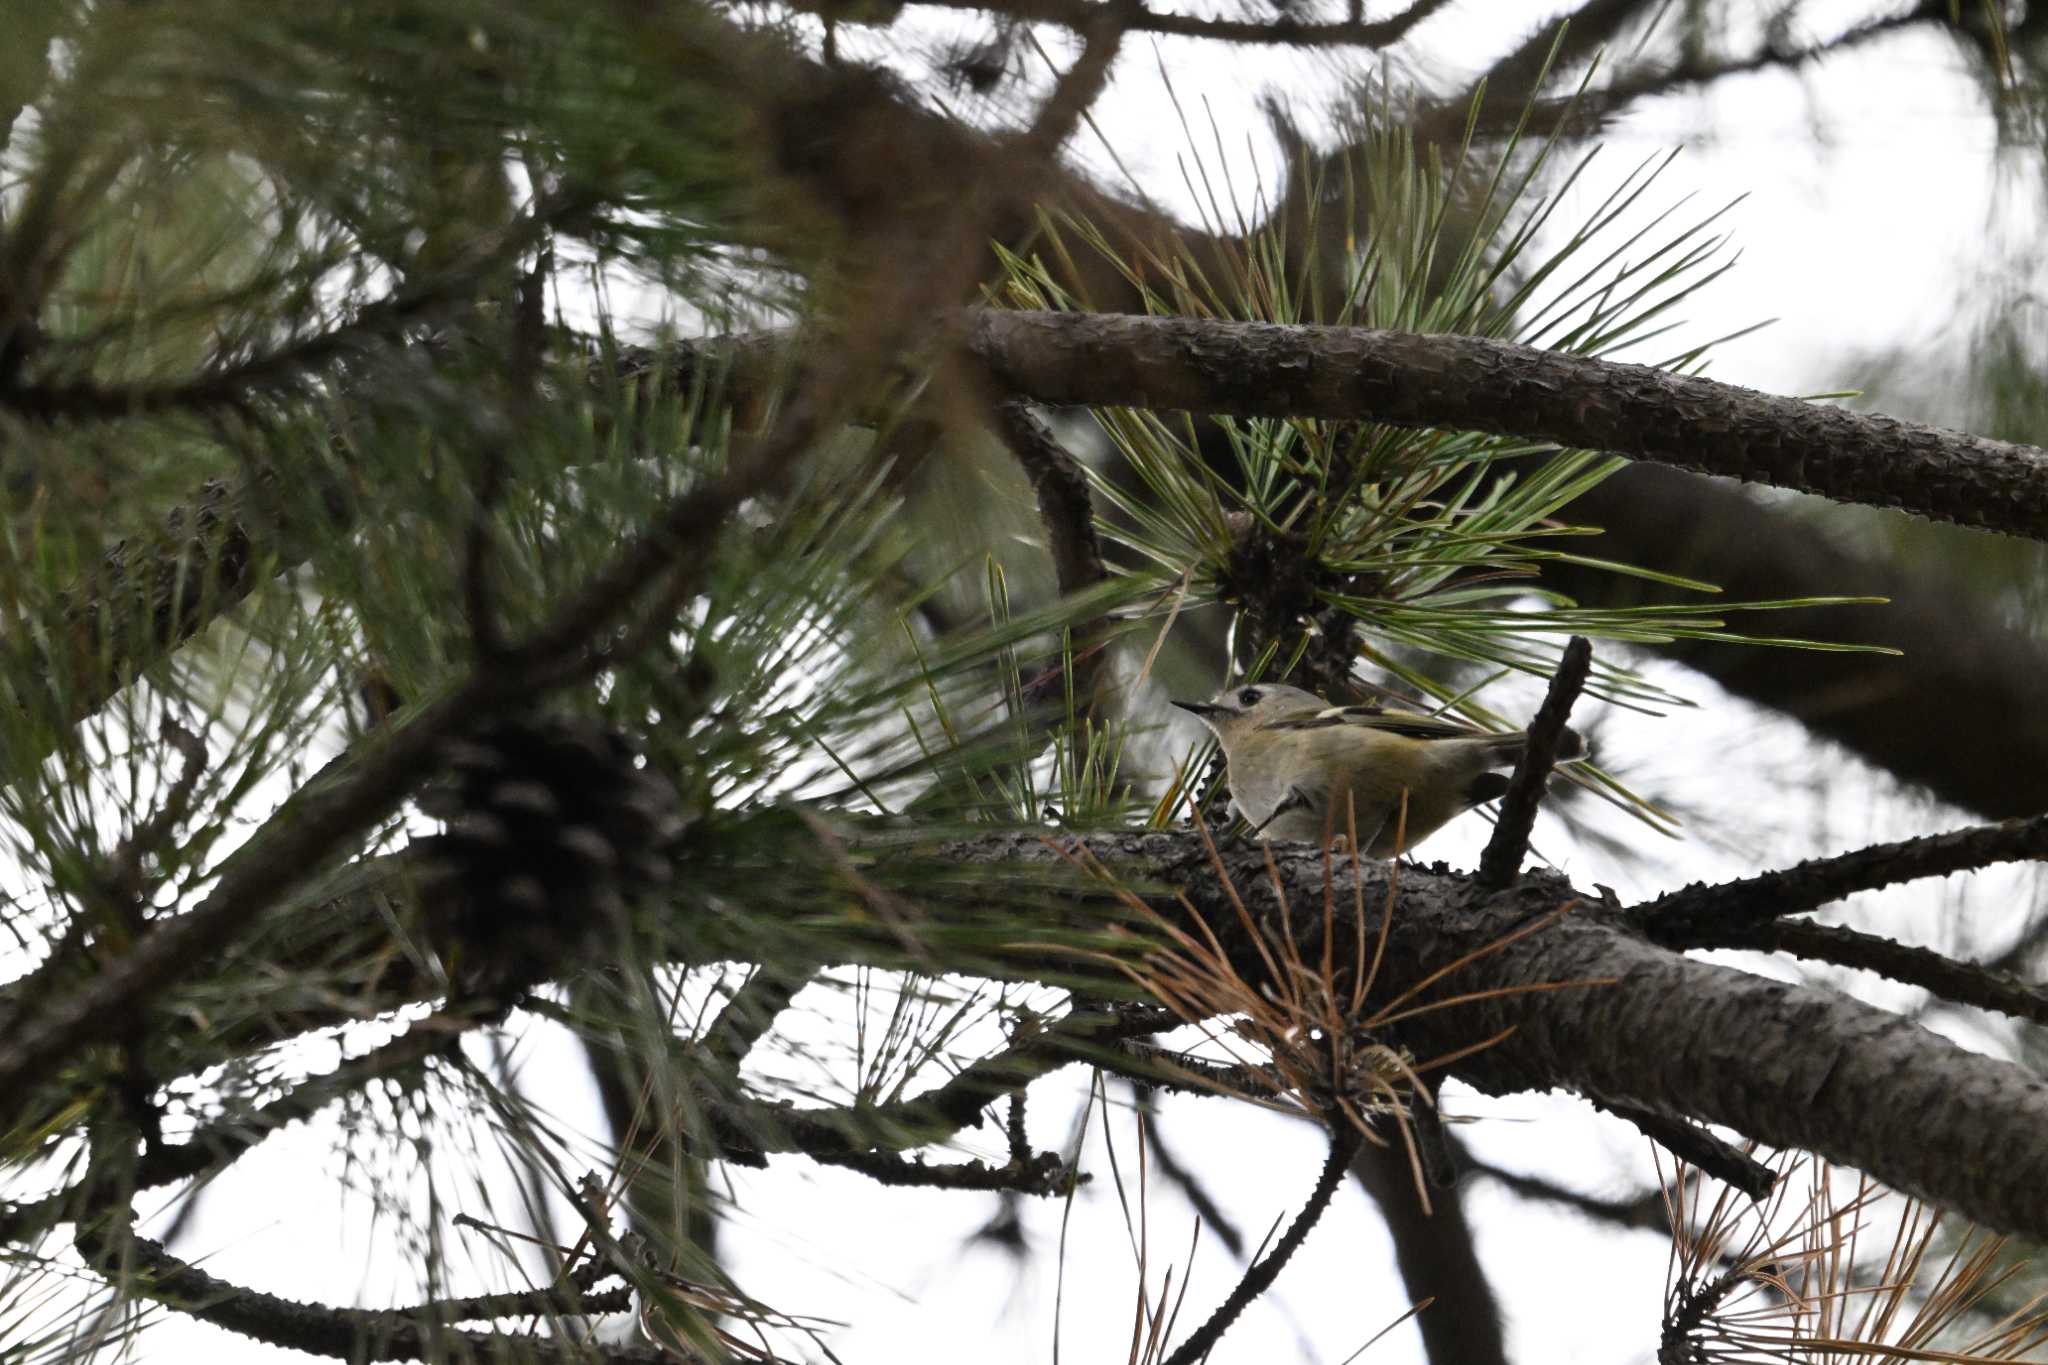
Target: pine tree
{"points": [[634, 528]]}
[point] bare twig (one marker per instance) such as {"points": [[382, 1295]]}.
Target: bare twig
{"points": [[1699, 915], [749, 1014], [1064, 502], [1076, 14], [1044, 1174], [1697, 1147], [1503, 856], [578, 1293], [1961, 983], [1192, 1187], [1344, 1143], [353, 1334], [219, 1144], [1646, 1212], [1587, 112]]}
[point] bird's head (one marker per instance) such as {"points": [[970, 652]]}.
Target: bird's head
{"points": [[1237, 711]]}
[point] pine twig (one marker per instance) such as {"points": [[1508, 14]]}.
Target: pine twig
{"points": [[1960, 983], [749, 1014], [1287, 32], [1044, 1174], [1700, 914], [1064, 501], [1344, 1143], [353, 1334], [1697, 1147], [748, 1133], [1502, 860], [219, 1144]]}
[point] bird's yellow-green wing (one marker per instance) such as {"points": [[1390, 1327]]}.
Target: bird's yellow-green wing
{"points": [[1413, 724]]}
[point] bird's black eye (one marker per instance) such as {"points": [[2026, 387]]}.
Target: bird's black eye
{"points": [[1248, 697]]}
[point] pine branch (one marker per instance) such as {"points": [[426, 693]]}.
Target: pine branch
{"points": [[1725, 913], [1436, 1252], [1076, 14], [1469, 383], [748, 1132], [1064, 502], [355, 790], [1502, 858], [1067, 508], [1960, 983], [1159, 1068], [750, 1013], [141, 1266], [363, 783], [1044, 1175], [1855, 1084], [1695, 1146], [1260, 1277], [219, 1144]]}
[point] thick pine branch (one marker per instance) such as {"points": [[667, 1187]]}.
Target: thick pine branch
{"points": [[1787, 1064], [1790, 1065], [1463, 383]]}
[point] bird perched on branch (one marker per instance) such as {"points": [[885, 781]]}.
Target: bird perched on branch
{"points": [[1301, 769]]}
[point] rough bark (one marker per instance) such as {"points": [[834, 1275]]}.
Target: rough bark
{"points": [[1477, 384], [1788, 1064]]}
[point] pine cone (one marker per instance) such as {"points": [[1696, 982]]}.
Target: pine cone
{"points": [[552, 830]]}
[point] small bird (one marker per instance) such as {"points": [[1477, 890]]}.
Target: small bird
{"points": [[1293, 759]]}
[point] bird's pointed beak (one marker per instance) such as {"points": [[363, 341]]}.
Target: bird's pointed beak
{"points": [[1203, 709]]}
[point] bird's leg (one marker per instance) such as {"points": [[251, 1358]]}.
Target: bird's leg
{"points": [[1296, 799]]}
